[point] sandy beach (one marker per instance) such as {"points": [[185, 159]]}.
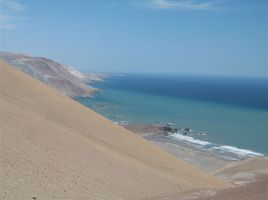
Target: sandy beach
{"points": [[249, 176], [201, 159]]}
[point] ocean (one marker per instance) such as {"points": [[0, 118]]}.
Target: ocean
{"points": [[227, 116]]}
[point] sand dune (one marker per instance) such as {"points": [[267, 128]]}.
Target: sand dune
{"points": [[54, 148]]}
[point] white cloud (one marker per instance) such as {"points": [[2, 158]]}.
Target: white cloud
{"points": [[11, 5], [182, 4], [10, 11]]}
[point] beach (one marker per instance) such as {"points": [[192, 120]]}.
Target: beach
{"points": [[201, 159], [249, 176], [248, 173]]}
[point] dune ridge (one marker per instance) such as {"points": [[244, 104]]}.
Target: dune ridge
{"points": [[55, 148]]}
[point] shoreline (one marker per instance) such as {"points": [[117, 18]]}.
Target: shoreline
{"points": [[244, 174], [194, 155], [227, 128], [204, 160]]}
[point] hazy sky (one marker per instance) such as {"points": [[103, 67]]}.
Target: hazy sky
{"points": [[223, 37]]}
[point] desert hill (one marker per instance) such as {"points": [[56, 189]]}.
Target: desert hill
{"points": [[54, 148]]}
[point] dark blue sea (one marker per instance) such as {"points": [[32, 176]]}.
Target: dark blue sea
{"points": [[232, 113]]}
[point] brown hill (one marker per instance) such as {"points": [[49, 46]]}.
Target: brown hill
{"points": [[66, 79], [54, 148]]}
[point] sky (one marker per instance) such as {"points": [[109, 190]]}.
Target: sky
{"points": [[200, 37]]}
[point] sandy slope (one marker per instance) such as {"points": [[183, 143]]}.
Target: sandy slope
{"points": [[256, 190], [245, 171], [54, 148]]}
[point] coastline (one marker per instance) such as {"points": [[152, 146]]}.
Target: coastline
{"points": [[248, 176], [215, 158], [204, 160], [232, 128], [125, 166], [201, 158]]}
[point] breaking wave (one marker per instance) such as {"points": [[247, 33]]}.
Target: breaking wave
{"points": [[229, 152]]}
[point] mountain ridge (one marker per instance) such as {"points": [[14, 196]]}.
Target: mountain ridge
{"points": [[64, 78]]}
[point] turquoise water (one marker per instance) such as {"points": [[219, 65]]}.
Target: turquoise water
{"points": [[223, 122]]}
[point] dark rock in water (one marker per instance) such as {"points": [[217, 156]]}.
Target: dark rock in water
{"points": [[187, 129], [169, 129], [184, 133], [153, 129]]}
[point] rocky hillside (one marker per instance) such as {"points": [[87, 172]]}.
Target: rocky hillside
{"points": [[66, 79]]}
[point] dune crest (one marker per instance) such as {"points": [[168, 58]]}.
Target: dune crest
{"points": [[54, 148]]}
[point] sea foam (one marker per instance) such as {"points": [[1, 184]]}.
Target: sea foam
{"points": [[189, 139], [238, 151], [230, 152]]}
